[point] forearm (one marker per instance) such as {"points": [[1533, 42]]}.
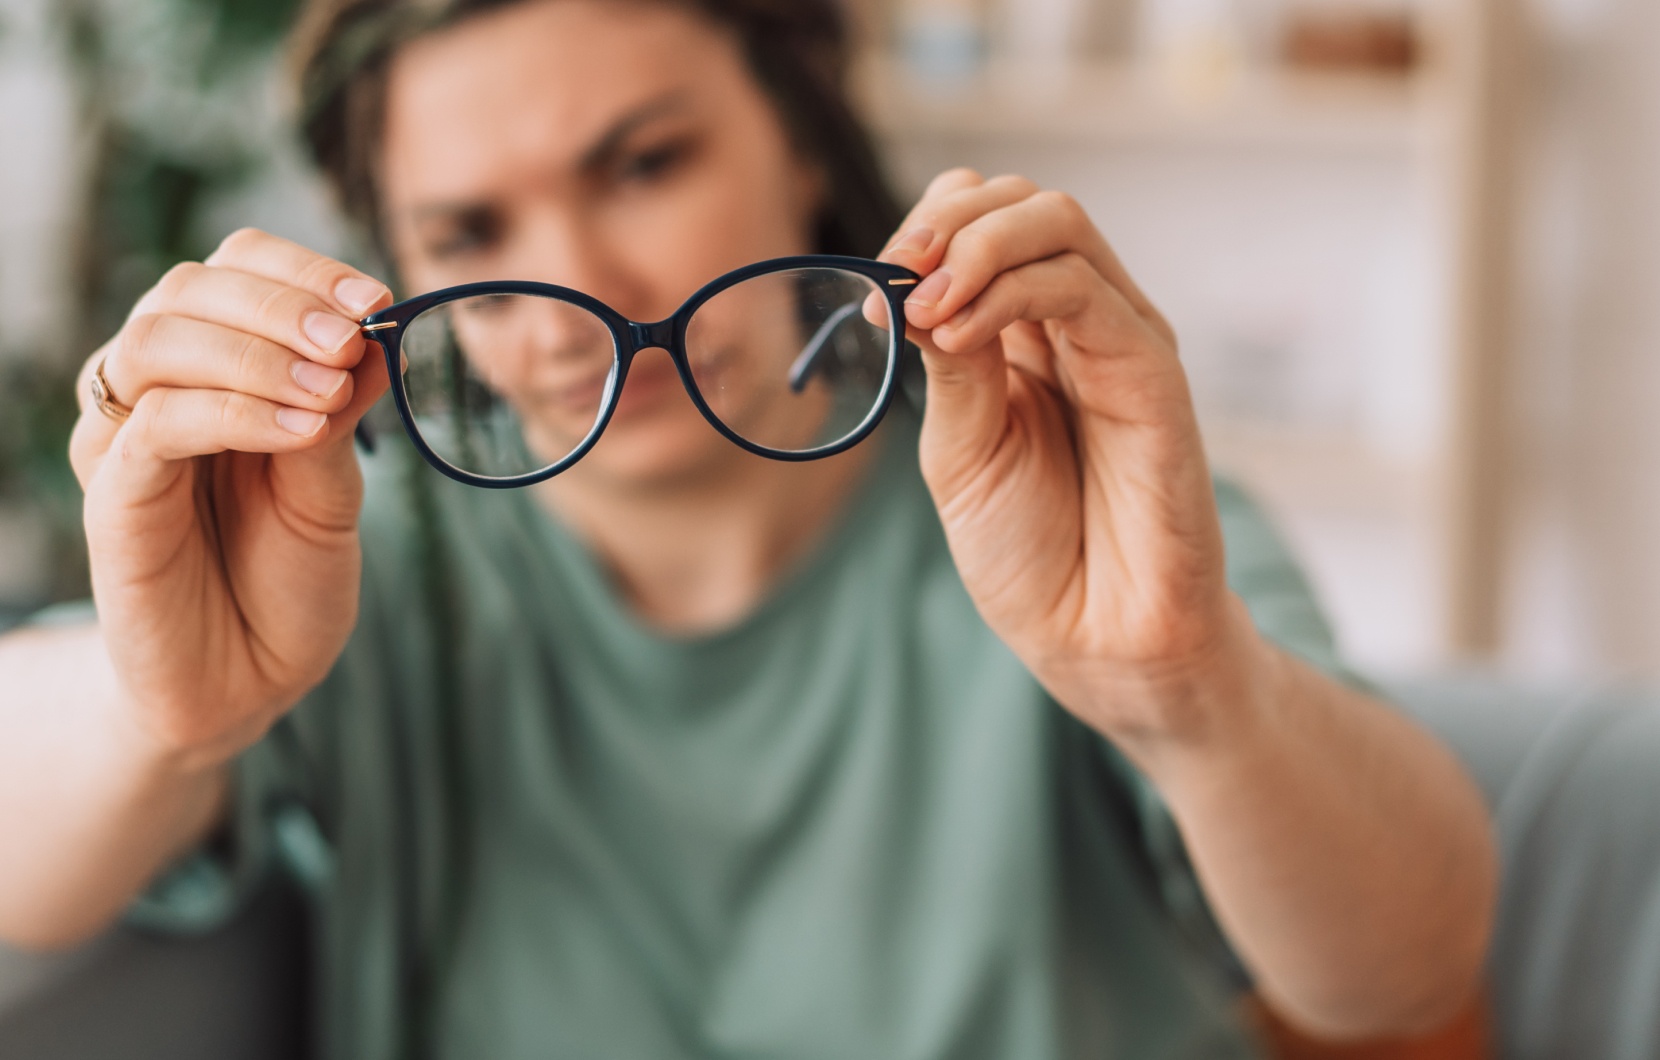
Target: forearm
{"points": [[89, 811], [1344, 851]]}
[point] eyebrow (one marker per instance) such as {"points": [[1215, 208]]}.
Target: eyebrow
{"points": [[592, 158], [611, 141]]}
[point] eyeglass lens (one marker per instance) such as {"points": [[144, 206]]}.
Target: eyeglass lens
{"points": [[503, 385]]}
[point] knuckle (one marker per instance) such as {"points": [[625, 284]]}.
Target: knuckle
{"points": [[1059, 201], [151, 414], [135, 345], [1008, 287], [322, 274], [1004, 301], [176, 280], [238, 244], [1014, 184], [83, 451], [976, 245], [956, 177], [156, 410], [1079, 267], [280, 310], [226, 412], [246, 359]]}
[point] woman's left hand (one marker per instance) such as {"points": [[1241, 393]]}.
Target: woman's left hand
{"points": [[1062, 450], [1344, 852]]}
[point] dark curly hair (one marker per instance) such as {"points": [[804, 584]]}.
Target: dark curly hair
{"points": [[798, 50]]}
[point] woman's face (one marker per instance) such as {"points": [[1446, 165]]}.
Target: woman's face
{"points": [[618, 147]]}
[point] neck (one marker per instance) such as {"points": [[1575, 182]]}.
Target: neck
{"points": [[697, 556]]}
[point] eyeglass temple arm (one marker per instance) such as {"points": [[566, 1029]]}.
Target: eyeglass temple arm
{"points": [[802, 368]]}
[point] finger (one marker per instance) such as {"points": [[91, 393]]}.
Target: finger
{"points": [[279, 312], [88, 442], [1106, 358], [93, 430], [315, 470], [155, 350], [947, 183], [935, 221], [262, 254], [1036, 228], [370, 382], [175, 424], [1056, 288], [1106, 262], [1040, 224], [145, 460], [966, 409]]}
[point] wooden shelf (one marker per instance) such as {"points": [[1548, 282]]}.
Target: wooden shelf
{"points": [[1121, 105], [1324, 470]]}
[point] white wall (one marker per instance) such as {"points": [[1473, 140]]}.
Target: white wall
{"points": [[1585, 557], [1305, 277], [37, 182], [1584, 553]]}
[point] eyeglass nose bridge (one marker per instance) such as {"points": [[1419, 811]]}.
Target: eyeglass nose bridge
{"points": [[647, 336]]}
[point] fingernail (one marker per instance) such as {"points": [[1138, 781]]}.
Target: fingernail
{"points": [[916, 241], [358, 295], [300, 422], [327, 331], [959, 320], [318, 379], [929, 292]]}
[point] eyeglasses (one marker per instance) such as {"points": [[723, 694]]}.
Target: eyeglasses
{"points": [[507, 384]]}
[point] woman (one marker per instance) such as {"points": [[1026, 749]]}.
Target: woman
{"points": [[685, 751]]}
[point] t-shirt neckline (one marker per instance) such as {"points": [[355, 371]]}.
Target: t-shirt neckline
{"points": [[602, 603]]}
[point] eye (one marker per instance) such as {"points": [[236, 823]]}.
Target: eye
{"points": [[468, 232], [653, 163]]}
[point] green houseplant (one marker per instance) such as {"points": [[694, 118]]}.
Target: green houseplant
{"points": [[177, 118]]}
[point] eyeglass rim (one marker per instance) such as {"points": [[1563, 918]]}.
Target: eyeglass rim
{"points": [[628, 338]]}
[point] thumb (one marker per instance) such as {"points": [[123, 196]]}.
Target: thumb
{"points": [[326, 477], [966, 412]]}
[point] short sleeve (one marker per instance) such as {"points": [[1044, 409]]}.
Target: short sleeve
{"points": [[1282, 604], [1274, 588], [271, 828]]}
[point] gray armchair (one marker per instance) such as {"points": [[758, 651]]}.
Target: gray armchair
{"points": [[238, 993], [1574, 782]]}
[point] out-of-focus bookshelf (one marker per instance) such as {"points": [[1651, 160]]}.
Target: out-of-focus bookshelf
{"points": [[1115, 103], [1330, 240]]}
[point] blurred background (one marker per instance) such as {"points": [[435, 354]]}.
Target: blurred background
{"points": [[1412, 248]]}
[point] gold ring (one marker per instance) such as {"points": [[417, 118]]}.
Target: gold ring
{"points": [[104, 398]]}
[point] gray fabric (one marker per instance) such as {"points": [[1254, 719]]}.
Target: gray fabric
{"points": [[238, 993], [1574, 782], [1575, 969]]}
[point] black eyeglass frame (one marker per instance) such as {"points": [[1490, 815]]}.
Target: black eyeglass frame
{"points": [[629, 338]]}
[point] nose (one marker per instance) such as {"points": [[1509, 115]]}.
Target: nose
{"points": [[560, 246], [562, 331]]}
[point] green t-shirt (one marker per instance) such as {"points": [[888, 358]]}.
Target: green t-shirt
{"points": [[852, 825]]}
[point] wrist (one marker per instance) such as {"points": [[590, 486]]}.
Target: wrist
{"points": [[1216, 701], [147, 758], [153, 744]]}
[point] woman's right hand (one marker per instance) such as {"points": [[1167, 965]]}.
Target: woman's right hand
{"points": [[221, 517]]}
